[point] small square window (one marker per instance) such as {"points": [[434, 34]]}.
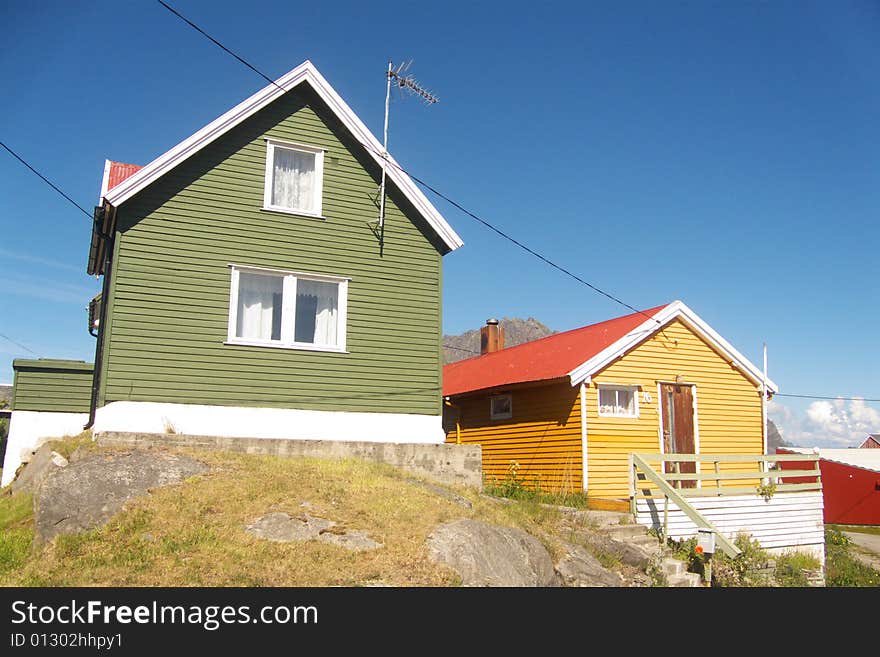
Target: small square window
{"points": [[618, 401], [501, 407], [294, 176]]}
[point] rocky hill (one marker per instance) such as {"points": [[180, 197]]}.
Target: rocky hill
{"points": [[516, 331]]}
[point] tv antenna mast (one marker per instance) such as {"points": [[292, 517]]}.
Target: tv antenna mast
{"points": [[405, 81]]}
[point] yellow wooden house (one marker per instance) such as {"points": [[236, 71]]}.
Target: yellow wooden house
{"points": [[567, 411]]}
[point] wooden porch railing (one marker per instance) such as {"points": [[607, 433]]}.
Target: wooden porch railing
{"points": [[769, 473]]}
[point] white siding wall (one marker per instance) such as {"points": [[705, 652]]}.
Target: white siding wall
{"points": [[29, 429], [785, 522]]}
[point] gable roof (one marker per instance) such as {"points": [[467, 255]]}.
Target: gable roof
{"points": [[305, 73], [872, 438], [578, 354]]}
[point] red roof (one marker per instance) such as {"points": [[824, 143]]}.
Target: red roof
{"points": [[119, 171], [549, 358]]}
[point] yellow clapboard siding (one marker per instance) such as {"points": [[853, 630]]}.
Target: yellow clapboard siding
{"points": [[728, 418], [543, 437]]}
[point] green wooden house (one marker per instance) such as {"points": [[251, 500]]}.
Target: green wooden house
{"points": [[249, 290]]}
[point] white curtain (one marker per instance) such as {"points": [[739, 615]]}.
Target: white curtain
{"points": [[293, 181], [259, 306], [316, 312]]}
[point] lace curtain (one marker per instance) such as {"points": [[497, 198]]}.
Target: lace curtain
{"points": [[293, 181]]}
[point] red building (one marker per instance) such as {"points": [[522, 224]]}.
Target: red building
{"points": [[850, 483]]}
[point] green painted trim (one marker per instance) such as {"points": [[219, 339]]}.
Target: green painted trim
{"points": [[730, 458], [699, 520], [757, 474]]}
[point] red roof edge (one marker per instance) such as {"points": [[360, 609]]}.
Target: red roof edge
{"points": [[548, 358], [119, 171]]}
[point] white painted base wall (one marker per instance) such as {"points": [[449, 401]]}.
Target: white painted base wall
{"points": [[29, 429], [786, 522], [243, 422]]}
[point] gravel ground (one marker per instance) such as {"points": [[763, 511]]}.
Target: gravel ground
{"points": [[867, 548]]}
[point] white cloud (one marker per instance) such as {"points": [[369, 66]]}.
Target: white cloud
{"points": [[826, 423]]}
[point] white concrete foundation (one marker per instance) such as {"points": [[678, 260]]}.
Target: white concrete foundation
{"points": [[244, 422], [29, 429]]}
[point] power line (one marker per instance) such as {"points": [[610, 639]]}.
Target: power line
{"points": [[217, 43], [46, 180], [470, 351], [19, 344], [780, 394], [422, 182]]}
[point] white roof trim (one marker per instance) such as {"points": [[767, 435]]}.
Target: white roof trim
{"points": [[305, 72], [105, 181], [675, 310]]}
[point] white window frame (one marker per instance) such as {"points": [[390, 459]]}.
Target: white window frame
{"points": [[634, 389], [504, 415], [288, 307], [271, 145]]}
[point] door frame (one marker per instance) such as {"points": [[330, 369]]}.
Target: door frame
{"points": [[693, 386]]}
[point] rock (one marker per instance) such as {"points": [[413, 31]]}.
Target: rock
{"points": [[628, 553], [351, 539], [488, 555], [580, 568], [90, 490], [283, 528], [39, 466], [444, 493]]}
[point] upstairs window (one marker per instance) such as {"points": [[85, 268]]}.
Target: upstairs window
{"points": [[294, 175], [618, 401], [501, 407], [287, 309]]}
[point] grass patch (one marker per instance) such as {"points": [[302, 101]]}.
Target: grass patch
{"points": [[858, 529], [67, 445], [792, 569], [16, 531], [514, 487], [841, 568]]}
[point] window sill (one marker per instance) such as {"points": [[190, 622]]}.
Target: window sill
{"points": [[620, 417], [289, 347], [295, 213]]}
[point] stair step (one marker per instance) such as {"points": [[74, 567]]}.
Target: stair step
{"points": [[685, 580], [673, 567], [621, 532]]}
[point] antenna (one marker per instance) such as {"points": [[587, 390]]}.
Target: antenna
{"points": [[403, 80]]}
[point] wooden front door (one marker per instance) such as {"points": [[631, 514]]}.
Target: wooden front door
{"points": [[677, 403]]}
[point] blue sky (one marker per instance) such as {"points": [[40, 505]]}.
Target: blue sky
{"points": [[721, 153]]}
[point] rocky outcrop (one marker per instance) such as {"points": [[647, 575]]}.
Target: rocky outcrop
{"points": [[283, 528], [91, 489], [488, 555], [578, 567], [40, 465]]}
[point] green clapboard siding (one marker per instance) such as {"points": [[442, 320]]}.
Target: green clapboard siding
{"points": [[169, 298], [60, 386]]}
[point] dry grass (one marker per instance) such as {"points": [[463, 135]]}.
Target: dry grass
{"points": [[192, 534]]}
